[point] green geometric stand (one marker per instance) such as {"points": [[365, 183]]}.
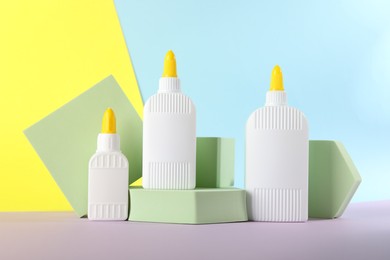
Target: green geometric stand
{"points": [[333, 179], [199, 206], [66, 139], [214, 162]]}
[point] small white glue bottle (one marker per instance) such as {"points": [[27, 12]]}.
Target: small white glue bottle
{"points": [[169, 135], [276, 178], [108, 178]]}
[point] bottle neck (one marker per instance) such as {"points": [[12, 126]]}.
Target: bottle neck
{"points": [[169, 85], [276, 98], [108, 143]]}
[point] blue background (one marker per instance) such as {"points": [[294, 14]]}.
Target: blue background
{"points": [[335, 57]]}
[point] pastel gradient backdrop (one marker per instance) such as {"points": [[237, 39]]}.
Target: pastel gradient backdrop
{"points": [[335, 56]]}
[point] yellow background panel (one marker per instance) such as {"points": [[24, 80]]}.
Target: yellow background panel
{"points": [[50, 52]]}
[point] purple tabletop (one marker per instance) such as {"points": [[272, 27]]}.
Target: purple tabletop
{"points": [[363, 232]]}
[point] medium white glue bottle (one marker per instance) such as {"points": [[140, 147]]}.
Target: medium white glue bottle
{"points": [[108, 178], [276, 178], [169, 135]]}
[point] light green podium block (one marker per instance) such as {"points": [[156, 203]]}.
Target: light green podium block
{"points": [[66, 139], [199, 206], [333, 179], [214, 162]]}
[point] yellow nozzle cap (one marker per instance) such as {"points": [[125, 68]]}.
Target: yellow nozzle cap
{"points": [[170, 65], [276, 79], [109, 122]]}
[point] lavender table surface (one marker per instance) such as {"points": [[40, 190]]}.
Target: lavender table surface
{"points": [[363, 232]]}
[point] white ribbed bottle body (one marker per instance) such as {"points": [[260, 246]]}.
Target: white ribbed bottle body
{"points": [[277, 164], [169, 142], [108, 181]]}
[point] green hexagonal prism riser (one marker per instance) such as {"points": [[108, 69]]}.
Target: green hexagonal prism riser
{"points": [[199, 206], [214, 162], [333, 179]]}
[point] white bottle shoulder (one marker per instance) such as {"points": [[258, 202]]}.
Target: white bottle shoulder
{"points": [[108, 160], [277, 118], [172, 103]]}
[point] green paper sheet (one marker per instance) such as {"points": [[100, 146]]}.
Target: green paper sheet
{"points": [[66, 139]]}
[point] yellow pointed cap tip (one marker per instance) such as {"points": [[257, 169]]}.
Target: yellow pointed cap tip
{"points": [[170, 55], [170, 65], [109, 122], [277, 79]]}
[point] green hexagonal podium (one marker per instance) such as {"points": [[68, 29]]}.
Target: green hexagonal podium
{"points": [[333, 179], [199, 206], [214, 162]]}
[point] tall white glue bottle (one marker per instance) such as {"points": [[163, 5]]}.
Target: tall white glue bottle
{"points": [[108, 178], [276, 177], [169, 135]]}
